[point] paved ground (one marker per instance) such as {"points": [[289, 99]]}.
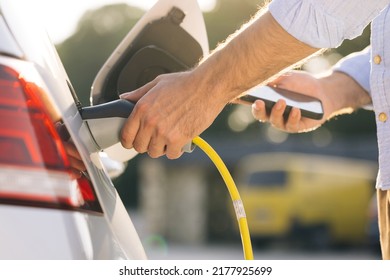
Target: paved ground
{"points": [[231, 252], [157, 248]]}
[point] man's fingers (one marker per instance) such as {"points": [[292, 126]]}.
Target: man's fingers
{"points": [[259, 111], [137, 94], [156, 148], [71, 150], [130, 129], [77, 164], [292, 124], [276, 117], [130, 137], [74, 156], [174, 151], [148, 129]]}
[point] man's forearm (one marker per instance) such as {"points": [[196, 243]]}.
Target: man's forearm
{"points": [[251, 56]]}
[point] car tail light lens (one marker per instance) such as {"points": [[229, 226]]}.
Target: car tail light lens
{"points": [[34, 167]]}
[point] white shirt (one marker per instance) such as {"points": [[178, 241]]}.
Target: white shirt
{"points": [[326, 23]]}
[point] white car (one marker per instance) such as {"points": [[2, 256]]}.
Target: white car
{"points": [[47, 209]]}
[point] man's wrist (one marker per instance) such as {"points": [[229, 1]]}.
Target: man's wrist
{"points": [[343, 93]]}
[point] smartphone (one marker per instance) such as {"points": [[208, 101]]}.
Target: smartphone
{"points": [[310, 107]]}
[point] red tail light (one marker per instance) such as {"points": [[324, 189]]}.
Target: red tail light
{"points": [[34, 167]]}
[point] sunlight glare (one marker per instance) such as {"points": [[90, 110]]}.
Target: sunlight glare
{"points": [[60, 17]]}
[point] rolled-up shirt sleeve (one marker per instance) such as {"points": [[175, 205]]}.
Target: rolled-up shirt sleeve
{"points": [[357, 66], [325, 23]]}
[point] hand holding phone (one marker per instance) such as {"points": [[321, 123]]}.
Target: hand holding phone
{"points": [[310, 107]]}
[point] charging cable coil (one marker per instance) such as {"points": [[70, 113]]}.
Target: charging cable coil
{"points": [[234, 194]]}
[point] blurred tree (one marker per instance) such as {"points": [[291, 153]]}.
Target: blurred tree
{"points": [[97, 35], [227, 17]]}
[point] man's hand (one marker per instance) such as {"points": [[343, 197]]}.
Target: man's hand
{"points": [[76, 163], [338, 92], [300, 82], [169, 112]]}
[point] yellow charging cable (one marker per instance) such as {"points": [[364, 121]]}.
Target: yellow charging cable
{"points": [[234, 194]]}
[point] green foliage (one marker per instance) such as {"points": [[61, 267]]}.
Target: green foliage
{"points": [[97, 35], [227, 17]]}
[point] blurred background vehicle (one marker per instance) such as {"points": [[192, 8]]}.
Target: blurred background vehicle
{"points": [[316, 200]]}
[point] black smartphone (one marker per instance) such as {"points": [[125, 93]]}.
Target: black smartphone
{"points": [[310, 107]]}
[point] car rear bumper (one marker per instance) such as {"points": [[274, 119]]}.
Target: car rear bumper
{"points": [[38, 233]]}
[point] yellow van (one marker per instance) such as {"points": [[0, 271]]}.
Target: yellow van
{"points": [[322, 200]]}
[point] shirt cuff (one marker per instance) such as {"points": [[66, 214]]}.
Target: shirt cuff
{"points": [[358, 67]]}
